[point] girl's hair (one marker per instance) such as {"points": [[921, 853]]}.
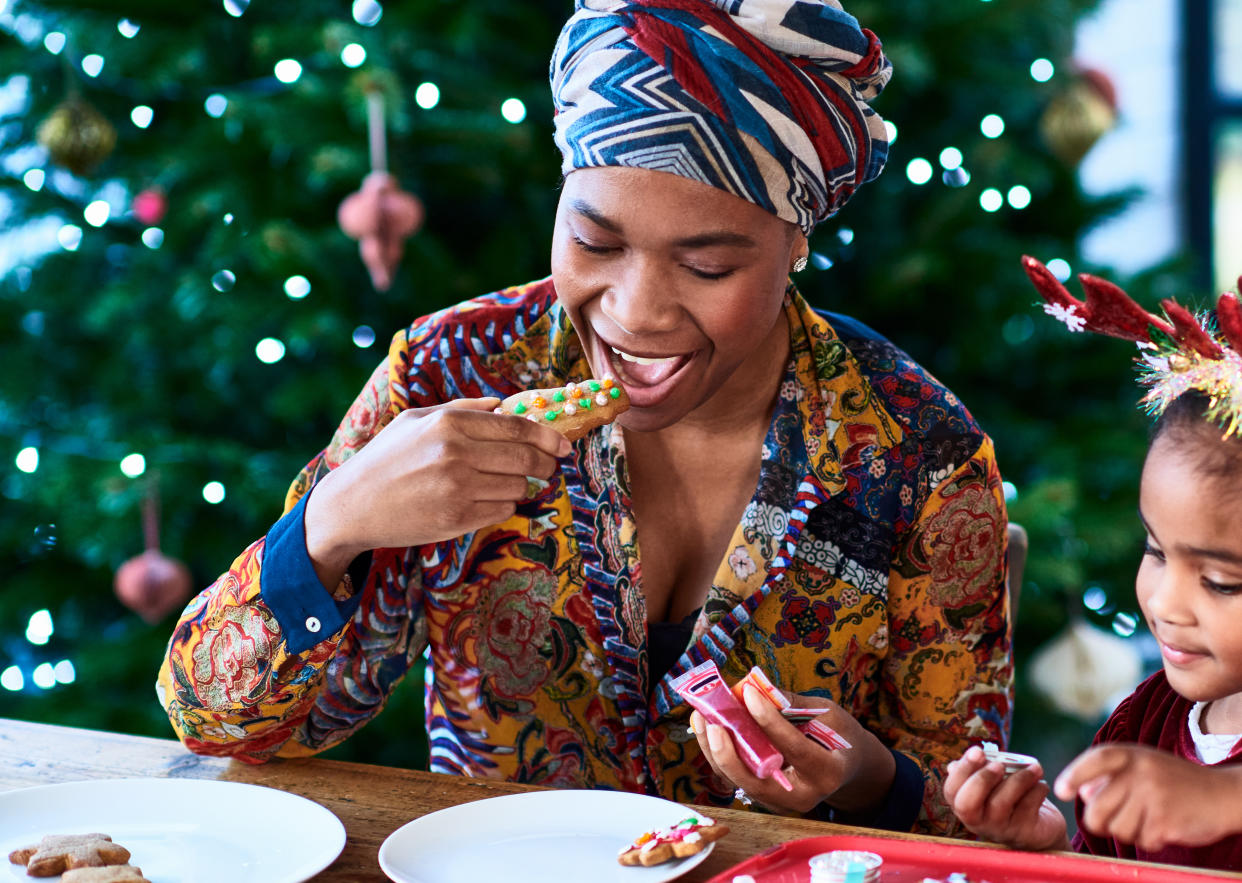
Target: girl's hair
{"points": [[1185, 424]]}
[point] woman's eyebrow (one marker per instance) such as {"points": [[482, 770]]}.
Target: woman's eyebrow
{"points": [[698, 240]]}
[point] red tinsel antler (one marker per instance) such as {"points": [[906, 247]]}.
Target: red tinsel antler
{"points": [[1188, 332], [1229, 317], [1107, 309]]}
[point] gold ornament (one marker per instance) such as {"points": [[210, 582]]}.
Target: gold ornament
{"points": [[77, 136], [1078, 116]]}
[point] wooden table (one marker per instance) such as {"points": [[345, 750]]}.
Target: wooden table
{"points": [[371, 801]]}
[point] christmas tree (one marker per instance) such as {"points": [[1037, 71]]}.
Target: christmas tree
{"points": [[183, 321]]}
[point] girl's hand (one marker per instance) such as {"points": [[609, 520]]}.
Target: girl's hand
{"points": [[431, 474], [853, 779], [1009, 809], [1152, 799]]}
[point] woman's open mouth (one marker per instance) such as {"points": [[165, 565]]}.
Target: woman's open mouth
{"points": [[647, 379]]}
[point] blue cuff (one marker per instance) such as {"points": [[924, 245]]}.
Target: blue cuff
{"points": [[306, 611], [900, 808]]}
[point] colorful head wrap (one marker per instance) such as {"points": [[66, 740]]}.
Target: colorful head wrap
{"points": [[764, 99]]}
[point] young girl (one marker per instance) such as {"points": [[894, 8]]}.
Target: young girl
{"points": [[1163, 780]]}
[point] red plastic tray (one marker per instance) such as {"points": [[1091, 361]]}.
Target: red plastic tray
{"points": [[909, 861]]}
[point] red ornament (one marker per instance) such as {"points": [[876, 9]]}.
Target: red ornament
{"points": [[151, 584], [149, 206], [380, 216]]}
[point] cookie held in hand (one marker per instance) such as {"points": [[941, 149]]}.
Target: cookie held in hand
{"points": [[57, 853], [572, 410], [687, 837]]}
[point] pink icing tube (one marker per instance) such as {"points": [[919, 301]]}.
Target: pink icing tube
{"points": [[707, 693]]}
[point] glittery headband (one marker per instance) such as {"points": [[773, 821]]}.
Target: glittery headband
{"points": [[1179, 352]]}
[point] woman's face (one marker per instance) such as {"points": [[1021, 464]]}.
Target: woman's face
{"points": [[675, 288], [1190, 581]]}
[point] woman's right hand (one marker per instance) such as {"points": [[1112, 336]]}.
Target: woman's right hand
{"points": [[1010, 809], [431, 474]]}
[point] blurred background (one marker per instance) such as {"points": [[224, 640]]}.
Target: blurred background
{"points": [[183, 320]]}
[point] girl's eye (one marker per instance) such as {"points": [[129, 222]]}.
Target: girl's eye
{"points": [[1149, 549], [1223, 588], [592, 249]]}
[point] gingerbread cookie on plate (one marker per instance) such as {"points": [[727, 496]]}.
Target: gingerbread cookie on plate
{"points": [[687, 837]]}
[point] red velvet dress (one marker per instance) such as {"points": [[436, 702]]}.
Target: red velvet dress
{"points": [[1155, 715]]}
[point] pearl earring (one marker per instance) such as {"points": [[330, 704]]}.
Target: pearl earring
{"points": [[799, 264]]}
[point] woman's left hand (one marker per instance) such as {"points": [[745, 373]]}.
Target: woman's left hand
{"points": [[853, 779]]}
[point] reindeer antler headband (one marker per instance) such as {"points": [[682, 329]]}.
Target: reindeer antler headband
{"points": [[1180, 352]]}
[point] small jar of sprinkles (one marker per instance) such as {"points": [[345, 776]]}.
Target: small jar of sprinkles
{"points": [[845, 866]]}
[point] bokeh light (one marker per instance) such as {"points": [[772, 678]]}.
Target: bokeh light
{"points": [[97, 212], [1042, 70], [367, 12], [992, 126], [918, 170], [39, 627], [950, 158], [353, 55], [93, 64], [224, 280], [133, 465], [297, 287], [69, 236], [54, 42], [1060, 268], [288, 70], [34, 179], [213, 492], [11, 678], [141, 116], [991, 200], [513, 110], [364, 336], [427, 95], [27, 459], [153, 237], [1019, 196], [269, 350], [215, 105]]}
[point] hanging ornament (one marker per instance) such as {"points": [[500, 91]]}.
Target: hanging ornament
{"points": [[1085, 671], [76, 135], [1079, 115], [149, 206], [380, 215], [151, 584]]}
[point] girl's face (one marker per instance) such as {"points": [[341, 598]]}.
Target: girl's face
{"points": [[675, 289], [1190, 581]]}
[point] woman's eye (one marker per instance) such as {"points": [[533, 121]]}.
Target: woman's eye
{"points": [[709, 275], [1149, 549], [590, 248]]}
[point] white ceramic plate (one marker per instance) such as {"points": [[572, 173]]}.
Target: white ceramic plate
{"points": [[539, 837], [181, 830]]}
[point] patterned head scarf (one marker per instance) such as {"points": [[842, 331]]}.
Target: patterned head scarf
{"points": [[764, 99]]}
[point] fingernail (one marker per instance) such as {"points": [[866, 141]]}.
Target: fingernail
{"points": [[564, 449], [715, 739]]}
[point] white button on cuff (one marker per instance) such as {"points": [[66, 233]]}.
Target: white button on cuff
{"points": [[313, 624]]}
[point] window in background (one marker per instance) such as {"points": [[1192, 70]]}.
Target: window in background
{"points": [[1227, 175], [1139, 54], [1212, 135]]}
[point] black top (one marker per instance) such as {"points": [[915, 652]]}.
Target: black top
{"points": [[666, 641]]}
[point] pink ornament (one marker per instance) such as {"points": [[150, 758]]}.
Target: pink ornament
{"points": [[151, 584], [380, 216], [149, 206]]}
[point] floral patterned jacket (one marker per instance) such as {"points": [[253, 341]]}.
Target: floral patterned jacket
{"points": [[869, 568]]}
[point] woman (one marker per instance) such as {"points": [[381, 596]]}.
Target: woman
{"points": [[807, 499]]}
